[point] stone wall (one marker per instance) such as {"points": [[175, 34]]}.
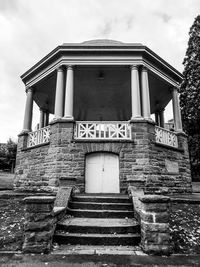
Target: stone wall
{"points": [[143, 163]]}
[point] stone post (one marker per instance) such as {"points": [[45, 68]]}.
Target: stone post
{"points": [[135, 93], [145, 93], [42, 116], [39, 224], [28, 110], [155, 234], [59, 100], [176, 111], [69, 94]]}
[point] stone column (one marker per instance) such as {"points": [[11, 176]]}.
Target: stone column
{"points": [[69, 94], [42, 116], [162, 118], [135, 93], [59, 100], [145, 93], [28, 110], [176, 111]]}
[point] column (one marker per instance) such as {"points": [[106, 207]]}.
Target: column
{"points": [[157, 119], [42, 115], [46, 118], [59, 100], [162, 118], [145, 93], [69, 93], [176, 111], [135, 93], [28, 110]]}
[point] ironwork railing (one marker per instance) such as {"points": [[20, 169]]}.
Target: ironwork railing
{"points": [[38, 137], [103, 130], [166, 137]]}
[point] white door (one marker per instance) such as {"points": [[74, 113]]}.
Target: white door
{"points": [[102, 173]]}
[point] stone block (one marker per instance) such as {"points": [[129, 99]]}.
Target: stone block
{"points": [[44, 225], [155, 227], [162, 217]]}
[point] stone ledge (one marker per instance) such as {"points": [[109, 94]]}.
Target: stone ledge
{"points": [[39, 199], [102, 141], [61, 120], [32, 147], [154, 199], [142, 120], [169, 147]]}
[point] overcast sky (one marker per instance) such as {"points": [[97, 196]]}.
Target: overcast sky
{"points": [[29, 29]]}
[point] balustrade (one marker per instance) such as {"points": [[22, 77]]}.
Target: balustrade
{"points": [[38, 137], [166, 137], [103, 130]]}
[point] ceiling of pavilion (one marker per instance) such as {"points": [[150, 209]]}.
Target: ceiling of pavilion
{"points": [[102, 93]]}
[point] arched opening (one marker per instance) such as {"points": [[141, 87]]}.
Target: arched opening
{"points": [[102, 173]]}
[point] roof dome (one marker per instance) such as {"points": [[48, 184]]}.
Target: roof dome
{"points": [[102, 42]]}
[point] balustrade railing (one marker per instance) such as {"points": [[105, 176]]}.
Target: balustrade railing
{"points": [[38, 137], [103, 130], [166, 137]]}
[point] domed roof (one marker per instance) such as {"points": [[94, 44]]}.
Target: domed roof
{"points": [[100, 42]]}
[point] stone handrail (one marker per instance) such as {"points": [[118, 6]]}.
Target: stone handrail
{"points": [[166, 137], [103, 130], [38, 137]]}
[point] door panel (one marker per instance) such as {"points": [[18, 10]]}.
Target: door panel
{"points": [[102, 173]]}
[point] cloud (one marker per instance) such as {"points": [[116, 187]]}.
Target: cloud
{"points": [[31, 29]]}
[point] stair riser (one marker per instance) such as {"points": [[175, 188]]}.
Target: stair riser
{"points": [[99, 206], [108, 241], [99, 230], [100, 199], [96, 214]]}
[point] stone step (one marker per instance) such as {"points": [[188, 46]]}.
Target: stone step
{"points": [[96, 239], [85, 213], [100, 226], [100, 206], [104, 198]]}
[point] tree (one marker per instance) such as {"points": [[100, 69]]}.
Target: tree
{"points": [[190, 96], [8, 153]]}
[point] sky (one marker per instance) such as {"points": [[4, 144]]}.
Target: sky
{"points": [[30, 29]]}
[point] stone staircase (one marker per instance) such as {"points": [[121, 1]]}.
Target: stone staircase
{"points": [[96, 219]]}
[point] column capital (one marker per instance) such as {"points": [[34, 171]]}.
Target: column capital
{"points": [[134, 67], [29, 89], [60, 68], [144, 68], [70, 67]]}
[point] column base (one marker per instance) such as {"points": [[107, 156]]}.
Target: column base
{"points": [[68, 118]]}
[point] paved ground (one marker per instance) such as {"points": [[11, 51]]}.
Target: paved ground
{"points": [[16, 260]]}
